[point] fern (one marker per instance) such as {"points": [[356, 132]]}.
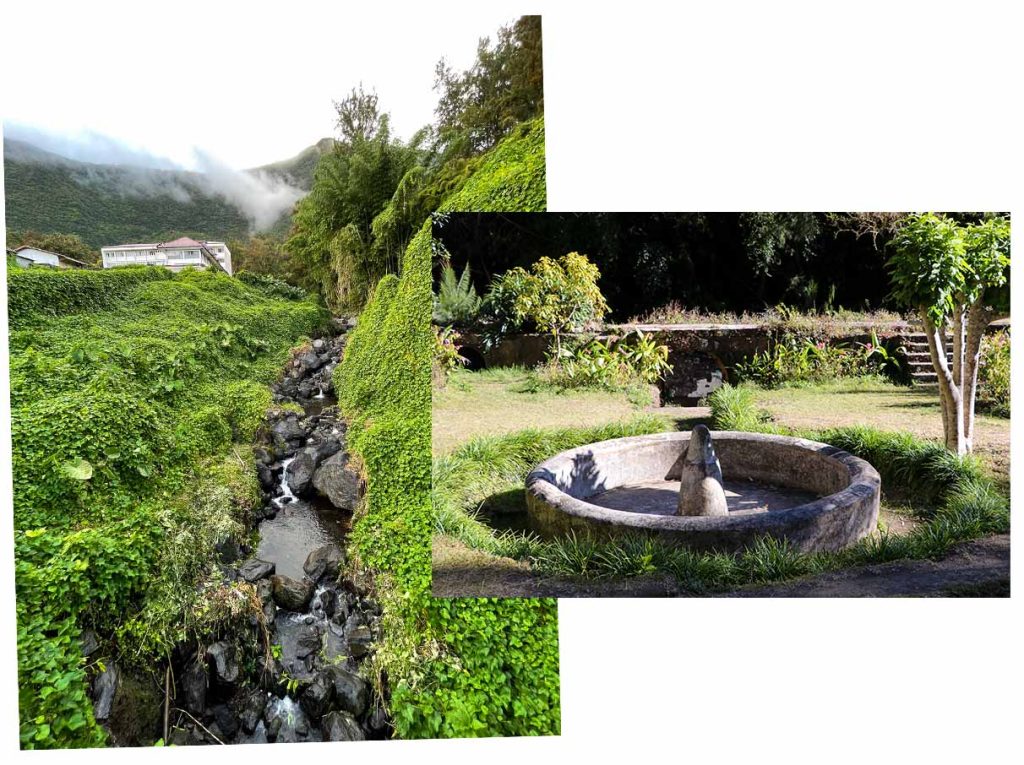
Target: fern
{"points": [[456, 301]]}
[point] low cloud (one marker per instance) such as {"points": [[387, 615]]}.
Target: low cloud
{"points": [[103, 161]]}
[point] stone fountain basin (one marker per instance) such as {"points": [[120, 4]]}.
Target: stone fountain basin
{"points": [[814, 495]]}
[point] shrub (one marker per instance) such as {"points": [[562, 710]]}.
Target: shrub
{"points": [[994, 375], [558, 296], [734, 409], [446, 354], [456, 301], [634, 359], [803, 360]]}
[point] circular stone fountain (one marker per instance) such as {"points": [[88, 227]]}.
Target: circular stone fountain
{"points": [[736, 488]]}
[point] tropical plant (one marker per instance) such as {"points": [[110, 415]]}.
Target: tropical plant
{"points": [[559, 296], [635, 358], [446, 353], [456, 301], [994, 375], [956, 276]]}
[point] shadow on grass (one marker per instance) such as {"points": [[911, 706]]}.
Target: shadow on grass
{"points": [[505, 511]]}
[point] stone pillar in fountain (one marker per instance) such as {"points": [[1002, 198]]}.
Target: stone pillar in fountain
{"points": [[701, 491]]}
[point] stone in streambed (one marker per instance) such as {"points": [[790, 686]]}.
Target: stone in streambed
{"points": [[291, 594], [225, 662], [341, 726], [104, 689], [316, 699], [351, 692], [250, 710], [300, 471], [255, 569], [324, 562], [336, 481]]}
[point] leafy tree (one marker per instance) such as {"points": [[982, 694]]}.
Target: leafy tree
{"points": [[71, 245], [559, 295], [505, 86], [956, 276]]}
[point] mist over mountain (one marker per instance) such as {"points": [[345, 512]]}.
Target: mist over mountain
{"points": [[57, 185]]}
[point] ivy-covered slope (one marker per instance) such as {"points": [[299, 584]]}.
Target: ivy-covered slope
{"points": [[129, 392], [465, 667]]}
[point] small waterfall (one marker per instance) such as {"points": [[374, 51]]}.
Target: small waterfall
{"points": [[286, 494]]}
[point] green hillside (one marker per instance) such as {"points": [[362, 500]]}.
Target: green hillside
{"points": [[106, 204]]}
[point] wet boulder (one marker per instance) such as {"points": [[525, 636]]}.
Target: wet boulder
{"points": [[300, 471], [308, 641], [89, 642], [359, 641], [341, 726], [351, 692], [104, 689], [338, 482], [250, 710], [316, 698], [194, 683], [324, 562], [224, 656], [310, 361], [291, 594], [225, 720], [255, 569]]}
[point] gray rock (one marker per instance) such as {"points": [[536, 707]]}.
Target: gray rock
{"points": [[341, 726], [104, 689], [316, 699], [89, 642], [359, 641], [378, 721], [194, 683], [324, 562], [351, 692], [318, 344], [336, 481], [310, 361], [225, 720], [262, 456], [300, 471], [291, 594], [288, 429], [308, 642], [255, 569], [250, 710], [265, 476], [224, 656]]}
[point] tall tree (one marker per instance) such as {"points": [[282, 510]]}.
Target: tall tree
{"points": [[505, 86], [956, 276]]}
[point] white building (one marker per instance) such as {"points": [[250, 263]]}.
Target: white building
{"points": [[176, 255], [32, 256]]}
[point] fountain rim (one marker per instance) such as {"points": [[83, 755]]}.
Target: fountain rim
{"points": [[864, 481]]}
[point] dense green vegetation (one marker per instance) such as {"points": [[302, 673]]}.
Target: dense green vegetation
{"points": [[456, 667], [129, 390], [373, 192]]}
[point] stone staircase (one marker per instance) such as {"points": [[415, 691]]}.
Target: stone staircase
{"points": [[920, 361]]}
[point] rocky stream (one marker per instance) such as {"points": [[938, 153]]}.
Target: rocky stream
{"points": [[293, 675]]}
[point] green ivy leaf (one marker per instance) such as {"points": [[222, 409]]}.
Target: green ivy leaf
{"points": [[80, 471]]}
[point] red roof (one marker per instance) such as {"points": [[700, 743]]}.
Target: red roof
{"points": [[181, 242]]}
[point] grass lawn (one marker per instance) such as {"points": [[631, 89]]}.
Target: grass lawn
{"points": [[887, 407], [499, 401]]}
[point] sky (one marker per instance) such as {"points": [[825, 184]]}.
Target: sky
{"points": [[245, 84]]}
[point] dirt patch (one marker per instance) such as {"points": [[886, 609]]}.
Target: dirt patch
{"points": [[974, 569], [461, 572]]}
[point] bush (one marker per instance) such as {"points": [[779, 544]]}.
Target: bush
{"points": [[446, 354], [456, 301], [994, 375], [794, 360], [633, 360], [734, 409]]}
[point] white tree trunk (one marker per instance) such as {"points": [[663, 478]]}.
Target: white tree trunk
{"points": [[978, 319], [949, 389]]}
